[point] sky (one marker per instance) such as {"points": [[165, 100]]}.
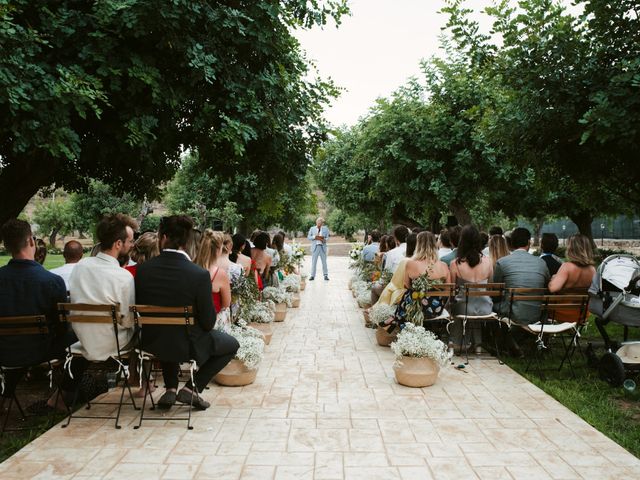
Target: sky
{"points": [[375, 50]]}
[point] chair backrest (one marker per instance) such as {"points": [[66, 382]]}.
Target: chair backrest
{"points": [[88, 313], [558, 307], [156, 315], [483, 289], [441, 290], [530, 295], [24, 325]]}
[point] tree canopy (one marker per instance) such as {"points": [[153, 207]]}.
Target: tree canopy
{"points": [[536, 118], [117, 90]]}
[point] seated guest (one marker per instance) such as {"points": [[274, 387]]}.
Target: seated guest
{"points": [[72, 254], [259, 255], [209, 252], [370, 250], [454, 237], [549, 245], [272, 251], [521, 270], [100, 280], [412, 238], [233, 269], [497, 248], [391, 293], [145, 248], [444, 243], [41, 251], [495, 230], [172, 280], [484, 241], [470, 267], [26, 288], [382, 250], [238, 254], [424, 261], [288, 249], [395, 255], [576, 274]]}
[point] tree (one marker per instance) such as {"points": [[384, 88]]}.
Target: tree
{"points": [[116, 90], [549, 79], [54, 216], [100, 199]]}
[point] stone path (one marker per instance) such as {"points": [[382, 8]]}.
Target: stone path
{"points": [[325, 406]]}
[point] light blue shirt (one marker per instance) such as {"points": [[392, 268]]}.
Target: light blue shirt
{"points": [[369, 252], [313, 231]]}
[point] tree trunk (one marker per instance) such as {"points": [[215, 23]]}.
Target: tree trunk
{"points": [[399, 217], [537, 228], [583, 221], [19, 181], [462, 214], [52, 238], [434, 223]]}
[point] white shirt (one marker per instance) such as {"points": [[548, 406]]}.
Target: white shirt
{"points": [[394, 256], [288, 249], [444, 251], [65, 272], [100, 280]]}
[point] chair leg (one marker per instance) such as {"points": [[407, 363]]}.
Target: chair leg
{"points": [[147, 392]]}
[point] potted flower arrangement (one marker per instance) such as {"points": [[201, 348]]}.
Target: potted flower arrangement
{"points": [[244, 293], [260, 316], [291, 284], [281, 298], [363, 296], [419, 356], [379, 313], [243, 368]]}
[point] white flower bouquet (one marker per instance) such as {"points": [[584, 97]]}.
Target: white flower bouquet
{"points": [[297, 253], [364, 297], [260, 312], [291, 283], [251, 348], [381, 312], [414, 341], [277, 295], [356, 251]]}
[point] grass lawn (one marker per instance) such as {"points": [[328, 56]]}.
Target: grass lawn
{"points": [[52, 261], [613, 411]]}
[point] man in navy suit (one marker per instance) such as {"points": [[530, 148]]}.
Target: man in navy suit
{"points": [[173, 280]]}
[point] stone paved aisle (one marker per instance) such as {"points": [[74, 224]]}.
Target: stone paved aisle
{"points": [[325, 406]]}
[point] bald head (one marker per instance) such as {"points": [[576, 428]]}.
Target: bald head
{"points": [[72, 252]]}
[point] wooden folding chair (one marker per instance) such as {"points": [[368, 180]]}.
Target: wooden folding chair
{"points": [[22, 325], [474, 290], [446, 291], [98, 315], [168, 317]]}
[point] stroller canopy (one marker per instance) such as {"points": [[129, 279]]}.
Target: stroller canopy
{"points": [[618, 270]]}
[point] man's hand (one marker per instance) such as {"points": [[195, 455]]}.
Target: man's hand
{"points": [[319, 237]]}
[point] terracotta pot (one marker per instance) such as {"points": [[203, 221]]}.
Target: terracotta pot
{"points": [[353, 293], [383, 338], [367, 320], [416, 372], [265, 328], [281, 312], [235, 374], [295, 303], [303, 284]]}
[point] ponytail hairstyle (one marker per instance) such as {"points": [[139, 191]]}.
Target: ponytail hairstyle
{"points": [[210, 242]]}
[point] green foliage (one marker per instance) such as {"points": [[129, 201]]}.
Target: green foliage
{"points": [[115, 91], [150, 223], [53, 217], [242, 199], [344, 224], [100, 199]]}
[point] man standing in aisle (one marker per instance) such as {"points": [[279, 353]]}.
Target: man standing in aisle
{"points": [[318, 235]]}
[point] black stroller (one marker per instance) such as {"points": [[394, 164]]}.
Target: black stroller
{"points": [[615, 297]]}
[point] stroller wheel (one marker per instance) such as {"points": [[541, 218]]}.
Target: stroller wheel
{"points": [[611, 369]]}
